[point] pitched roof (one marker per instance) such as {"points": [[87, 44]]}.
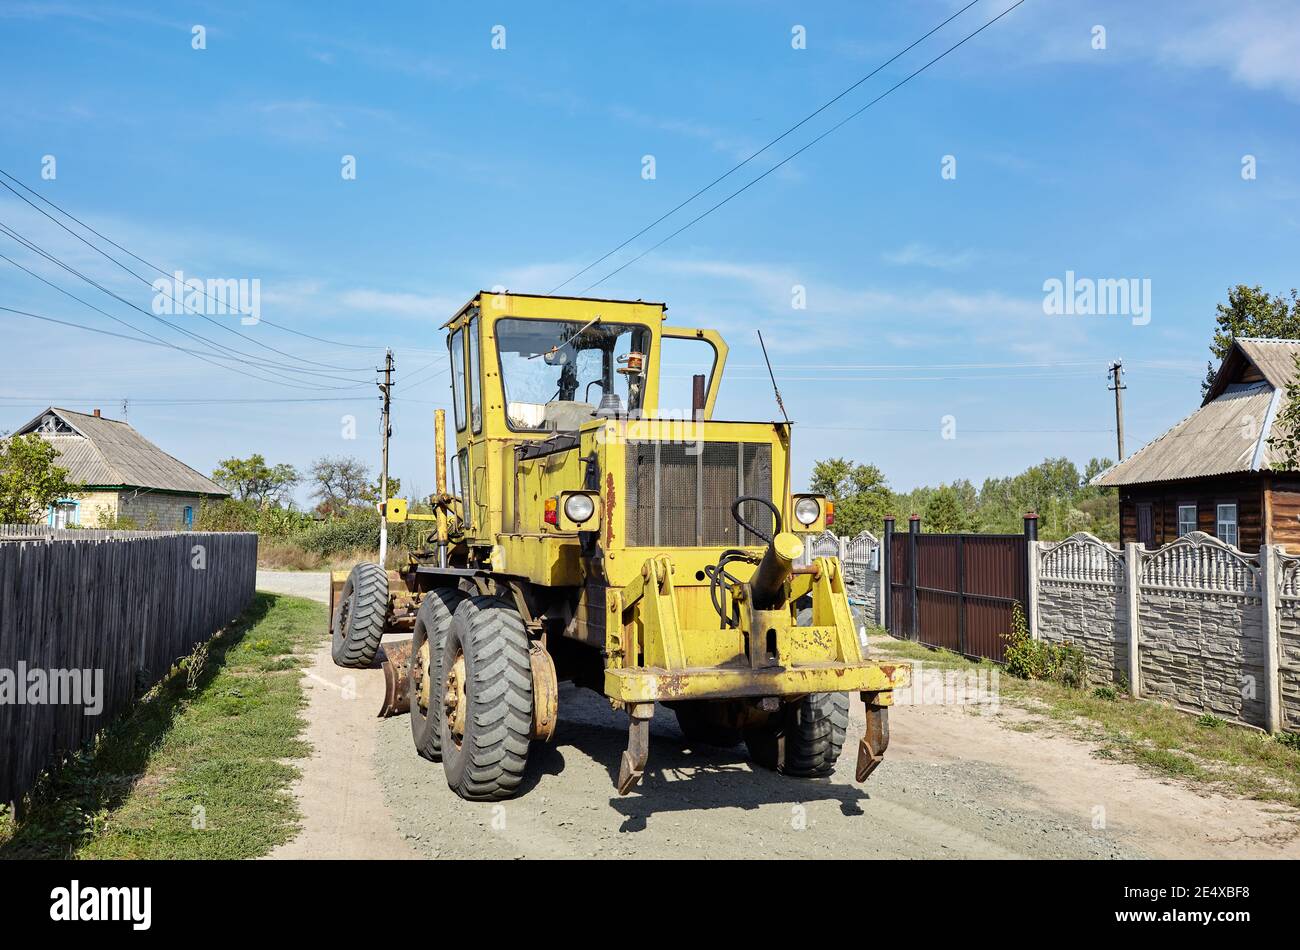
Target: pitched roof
{"points": [[1229, 433], [101, 452]]}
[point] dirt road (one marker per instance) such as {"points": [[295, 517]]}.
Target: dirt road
{"points": [[955, 783]]}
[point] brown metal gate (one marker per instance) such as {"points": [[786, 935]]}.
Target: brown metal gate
{"points": [[957, 591]]}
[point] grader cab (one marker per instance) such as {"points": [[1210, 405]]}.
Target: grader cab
{"points": [[595, 532]]}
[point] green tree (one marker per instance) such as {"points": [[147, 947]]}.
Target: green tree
{"points": [[1251, 311], [860, 493], [251, 479], [943, 513], [342, 482], [29, 480]]}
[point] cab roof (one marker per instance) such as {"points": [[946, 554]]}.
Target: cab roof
{"points": [[507, 293]]}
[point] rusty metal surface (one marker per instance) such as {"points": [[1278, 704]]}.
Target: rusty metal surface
{"points": [[875, 740], [646, 685], [395, 659], [632, 764], [546, 693]]}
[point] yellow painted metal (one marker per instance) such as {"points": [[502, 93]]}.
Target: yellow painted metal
{"points": [[817, 526], [568, 524], [714, 339], [440, 471], [648, 607], [652, 685]]}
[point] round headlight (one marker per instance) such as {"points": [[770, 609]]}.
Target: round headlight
{"points": [[807, 510], [579, 508]]}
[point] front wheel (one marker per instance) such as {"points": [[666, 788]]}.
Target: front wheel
{"points": [[359, 621], [424, 685], [803, 738], [487, 717]]}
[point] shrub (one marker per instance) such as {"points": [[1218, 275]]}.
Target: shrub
{"points": [[1210, 721], [1105, 692], [359, 531], [1032, 659]]}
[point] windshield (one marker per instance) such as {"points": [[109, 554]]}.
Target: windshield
{"points": [[557, 372]]}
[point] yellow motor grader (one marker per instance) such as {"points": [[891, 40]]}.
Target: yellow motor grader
{"points": [[594, 532]]}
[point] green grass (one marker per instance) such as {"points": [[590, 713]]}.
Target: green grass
{"points": [[198, 768], [1204, 749]]}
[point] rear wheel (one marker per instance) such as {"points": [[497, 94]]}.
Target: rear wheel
{"points": [[487, 716], [703, 723], [803, 738], [359, 620], [425, 682]]}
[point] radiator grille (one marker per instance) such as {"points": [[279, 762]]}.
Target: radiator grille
{"points": [[681, 495]]}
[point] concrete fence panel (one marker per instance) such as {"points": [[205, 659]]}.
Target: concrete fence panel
{"points": [[1082, 600], [1200, 623]]}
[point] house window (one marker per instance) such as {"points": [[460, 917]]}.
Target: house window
{"points": [[189, 518], [1226, 524], [1186, 520], [64, 513]]}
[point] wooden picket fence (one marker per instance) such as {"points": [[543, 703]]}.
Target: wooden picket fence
{"points": [[126, 604]]}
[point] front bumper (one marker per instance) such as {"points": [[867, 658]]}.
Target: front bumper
{"points": [[648, 685]]}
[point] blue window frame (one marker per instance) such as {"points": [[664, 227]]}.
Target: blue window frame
{"points": [[64, 512], [189, 517]]}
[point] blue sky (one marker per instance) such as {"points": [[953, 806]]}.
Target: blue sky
{"points": [[479, 167]]}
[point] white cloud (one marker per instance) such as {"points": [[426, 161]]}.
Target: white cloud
{"points": [[1256, 43], [916, 254], [399, 303]]}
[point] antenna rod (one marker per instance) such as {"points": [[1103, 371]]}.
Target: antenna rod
{"points": [[775, 390]]}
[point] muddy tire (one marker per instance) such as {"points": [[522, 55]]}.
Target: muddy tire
{"points": [[487, 717], [358, 622], [803, 738], [431, 626], [701, 724]]}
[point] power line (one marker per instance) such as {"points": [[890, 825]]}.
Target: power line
{"points": [[230, 354], [183, 308], [164, 343], [151, 336], [741, 164], [156, 267], [804, 148]]}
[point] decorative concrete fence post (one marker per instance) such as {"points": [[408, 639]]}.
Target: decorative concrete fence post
{"points": [[1268, 564], [1132, 573]]}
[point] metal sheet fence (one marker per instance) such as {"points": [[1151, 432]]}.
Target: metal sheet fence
{"points": [[109, 613], [957, 591]]}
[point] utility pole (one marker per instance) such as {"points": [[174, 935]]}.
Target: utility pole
{"points": [[1117, 375], [386, 387], [124, 414]]}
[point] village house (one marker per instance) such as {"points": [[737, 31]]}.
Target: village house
{"points": [[125, 476], [1213, 472]]}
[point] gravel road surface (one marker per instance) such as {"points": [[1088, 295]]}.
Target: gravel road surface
{"points": [[955, 783]]}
